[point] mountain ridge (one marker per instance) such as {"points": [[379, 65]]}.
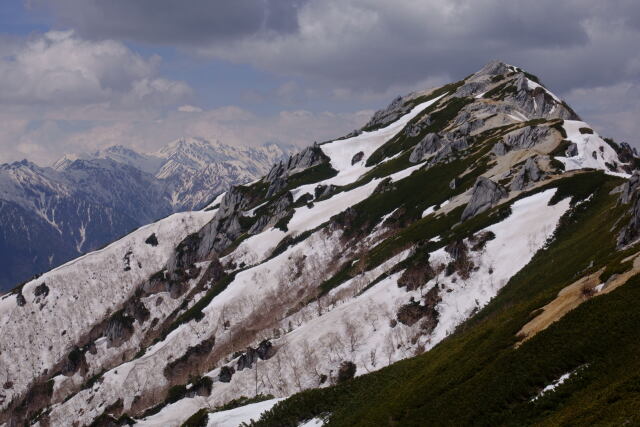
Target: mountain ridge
{"points": [[408, 255]]}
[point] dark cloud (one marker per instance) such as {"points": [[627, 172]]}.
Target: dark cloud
{"points": [[375, 44], [368, 44], [173, 22]]}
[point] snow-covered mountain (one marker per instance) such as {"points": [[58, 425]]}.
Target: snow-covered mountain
{"points": [[478, 241], [192, 169], [51, 215]]}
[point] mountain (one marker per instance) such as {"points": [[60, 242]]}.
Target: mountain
{"points": [[51, 215], [470, 256], [192, 169]]}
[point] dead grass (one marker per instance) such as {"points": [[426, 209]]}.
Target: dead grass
{"points": [[572, 296]]}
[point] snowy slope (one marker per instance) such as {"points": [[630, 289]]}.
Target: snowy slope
{"points": [[100, 281]]}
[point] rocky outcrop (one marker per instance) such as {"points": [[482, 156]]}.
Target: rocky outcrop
{"points": [[493, 68], [427, 146], [526, 137], [414, 129], [500, 149], [226, 372], [626, 153], [393, 112], [438, 148], [224, 228], [279, 173], [538, 102], [528, 173], [481, 80], [572, 150], [450, 149], [484, 195], [630, 188], [119, 329], [357, 157], [187, 364], [629, 196], [264, 351], [278, 210]]}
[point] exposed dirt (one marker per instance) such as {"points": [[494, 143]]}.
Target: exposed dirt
{"points": [[574, 295]]}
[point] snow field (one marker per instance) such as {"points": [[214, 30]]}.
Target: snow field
{"points": [[588, 144]]}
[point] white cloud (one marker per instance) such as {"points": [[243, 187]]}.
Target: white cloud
{"points": [[189, 109], [59, 68]]}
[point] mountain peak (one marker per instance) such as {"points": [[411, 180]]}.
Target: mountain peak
{"points": [[348, 257], [493, 68]]}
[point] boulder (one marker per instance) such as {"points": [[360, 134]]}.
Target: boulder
{"points": [[428, 145], [500, 149], [528, 173], [526, 137], [484, 195], [357, 157]]}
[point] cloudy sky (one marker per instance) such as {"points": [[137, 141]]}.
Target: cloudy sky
{"points": [[76, 75]]}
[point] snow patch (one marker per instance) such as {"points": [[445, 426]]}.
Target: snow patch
{"points": [[593, 152]]}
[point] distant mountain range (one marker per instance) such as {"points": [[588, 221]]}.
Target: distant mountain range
{"points": [[49, 215]]}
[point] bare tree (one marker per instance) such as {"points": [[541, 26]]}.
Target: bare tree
{"points": [[352, 334]]}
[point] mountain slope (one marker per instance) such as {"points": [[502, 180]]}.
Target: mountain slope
{"points": [[51, 215], [411, 254]]}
